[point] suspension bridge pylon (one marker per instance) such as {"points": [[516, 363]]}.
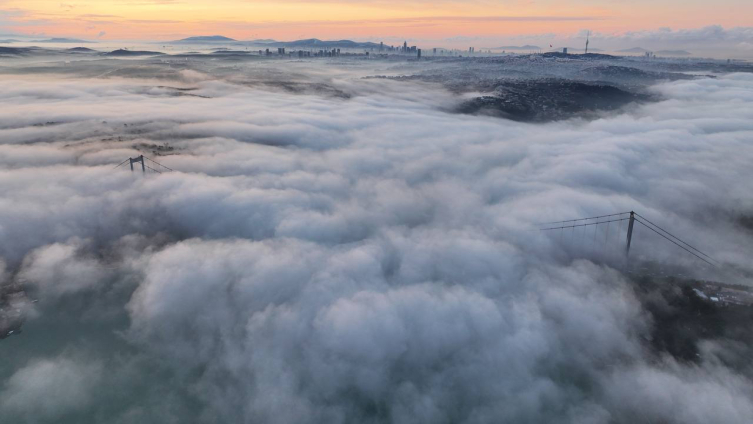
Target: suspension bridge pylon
{"points": [[144, 167], [137, 160], [632, 218], [630, 232]]}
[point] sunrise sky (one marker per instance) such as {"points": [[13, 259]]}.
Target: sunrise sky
{"points": [[363, 19]]}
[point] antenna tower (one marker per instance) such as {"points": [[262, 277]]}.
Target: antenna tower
{"points": [[588, 34]]}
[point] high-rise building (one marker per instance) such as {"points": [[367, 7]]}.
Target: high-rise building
{"points": [[405, 47], [419, 53]]}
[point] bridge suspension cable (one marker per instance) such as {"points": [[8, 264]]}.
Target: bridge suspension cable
{"points": [[157, 163], [142, 160], [152, 169], [672, 236], [583, 219], [633, 217], [582, 225], [675, 243], [122, 163]]}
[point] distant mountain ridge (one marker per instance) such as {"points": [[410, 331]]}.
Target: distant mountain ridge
{"points": [[306, 43], [317, 43], [63, 40], [674, 53], [207, 39], [129, 53], [526, 47], [633, 50]]}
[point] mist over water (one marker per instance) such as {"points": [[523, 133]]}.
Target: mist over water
{"points": [[334, 247]]}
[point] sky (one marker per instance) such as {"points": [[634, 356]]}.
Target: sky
{"points": [[446, 20]]}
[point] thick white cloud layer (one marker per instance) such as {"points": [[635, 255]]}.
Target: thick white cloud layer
{"points": [[316, 258]]}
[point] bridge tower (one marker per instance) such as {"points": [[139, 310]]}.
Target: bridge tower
{"points": [[137, 160], [630, 232]]}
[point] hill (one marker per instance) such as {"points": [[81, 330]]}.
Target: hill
{"points": [[526, 48], [315, 43], [127, 53], [640, 50], [673, 53], [206, 39], [63, 40]]}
